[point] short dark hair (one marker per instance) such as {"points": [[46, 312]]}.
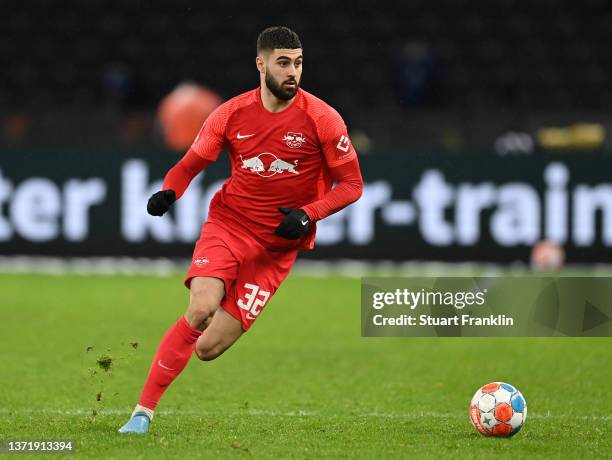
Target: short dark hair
{"points": [[278, 37]]}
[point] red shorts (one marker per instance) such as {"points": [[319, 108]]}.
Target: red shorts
{"points": [[250, 272]]}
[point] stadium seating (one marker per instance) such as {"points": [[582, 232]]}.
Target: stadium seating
{"points": [[554, 52], [493, 54]]}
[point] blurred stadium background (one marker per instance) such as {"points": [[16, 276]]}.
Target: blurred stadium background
{"points": [[481, 125]]}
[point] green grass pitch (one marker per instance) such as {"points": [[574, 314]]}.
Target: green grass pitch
{"points": [[301, 384]]}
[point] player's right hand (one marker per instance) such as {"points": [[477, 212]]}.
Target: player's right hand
{"points": [[160, 202]]}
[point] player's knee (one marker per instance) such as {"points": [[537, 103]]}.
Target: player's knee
{"points": [[202, 306], [209, 353], [199, 316]]}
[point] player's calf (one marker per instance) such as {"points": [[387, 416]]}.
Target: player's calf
{"points": [[208, 353], [224, 330]]}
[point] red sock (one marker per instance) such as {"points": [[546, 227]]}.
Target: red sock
{"points": [[171, 358]]}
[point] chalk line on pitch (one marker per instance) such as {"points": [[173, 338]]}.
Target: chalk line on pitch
{"points": [[272, 413]]}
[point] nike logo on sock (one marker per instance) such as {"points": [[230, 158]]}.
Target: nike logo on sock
{"points": [[164, 367]]}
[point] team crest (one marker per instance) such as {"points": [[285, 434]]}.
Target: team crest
{"points": [[200, 261], [294, 140]]}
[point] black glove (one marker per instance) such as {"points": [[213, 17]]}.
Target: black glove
{"points": [[295, 224], [160, 202]]}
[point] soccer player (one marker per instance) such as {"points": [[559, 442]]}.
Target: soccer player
{"points": [[287, 149]]}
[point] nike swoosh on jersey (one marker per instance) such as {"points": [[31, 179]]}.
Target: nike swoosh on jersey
{"points": [[238, 136]]}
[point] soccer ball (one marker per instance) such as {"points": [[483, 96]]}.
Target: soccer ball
{"points": [[498, 409]]}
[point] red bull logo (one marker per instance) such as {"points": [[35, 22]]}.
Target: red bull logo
{"points": [[267, 164], [294, 140], [200, 261]]}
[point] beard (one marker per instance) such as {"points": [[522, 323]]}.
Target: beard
{"points": [[282, 93]]}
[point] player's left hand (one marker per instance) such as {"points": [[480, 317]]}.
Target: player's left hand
{"points": [[295, 224]]}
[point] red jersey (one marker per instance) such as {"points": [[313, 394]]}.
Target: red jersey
{"points": [[279, 159]]}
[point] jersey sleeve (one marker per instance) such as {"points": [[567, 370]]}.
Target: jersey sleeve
{"points": [[348, 189], [333, 136], [211, 138], [182, 173]]}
